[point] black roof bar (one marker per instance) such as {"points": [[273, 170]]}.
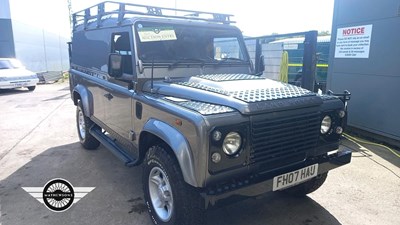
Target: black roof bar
{"points": [[121, 9]]}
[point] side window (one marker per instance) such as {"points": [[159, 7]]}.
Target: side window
{"points": [[120, 43], [227, 48]]}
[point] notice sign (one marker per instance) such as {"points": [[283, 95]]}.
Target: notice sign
{"points": [[290, 46], [353, 42], [156, 34]]}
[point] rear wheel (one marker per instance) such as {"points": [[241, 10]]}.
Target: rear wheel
{"points": [[31, 88], [83, 123], [170, 200], [307, 187]]}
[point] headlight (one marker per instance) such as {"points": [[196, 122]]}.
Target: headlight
{"points": [[326, 124], [232, 143]]}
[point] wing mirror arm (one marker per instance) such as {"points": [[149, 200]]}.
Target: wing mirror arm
{"points": [[261, 66], [140, 66]]}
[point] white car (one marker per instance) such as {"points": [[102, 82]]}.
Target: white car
{"points": [[14, 75]]}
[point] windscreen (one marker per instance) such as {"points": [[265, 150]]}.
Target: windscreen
{"points": [[165, 42], [10, 64]]}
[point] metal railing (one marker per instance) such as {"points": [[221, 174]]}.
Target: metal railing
{"points": [[309, 54], [120, 10]]}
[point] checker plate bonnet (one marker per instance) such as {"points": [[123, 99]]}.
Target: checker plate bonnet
{"points": [[246, 93]]}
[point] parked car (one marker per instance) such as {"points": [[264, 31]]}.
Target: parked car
{"points": [[14, 75]]}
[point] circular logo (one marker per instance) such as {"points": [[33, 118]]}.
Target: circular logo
{"points": [[58, 195]]}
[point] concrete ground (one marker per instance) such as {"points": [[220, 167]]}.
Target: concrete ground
{"points": [[38, 142]]}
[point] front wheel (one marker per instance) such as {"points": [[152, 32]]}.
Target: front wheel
{"points": [[83, 123], [31, 88], [169, 199], [307, 187]]}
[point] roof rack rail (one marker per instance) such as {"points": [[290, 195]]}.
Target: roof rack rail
{"points": [[110, 8]]}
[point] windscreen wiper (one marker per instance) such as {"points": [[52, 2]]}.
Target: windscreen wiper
{"points": [[231, 58], [186, 60]]}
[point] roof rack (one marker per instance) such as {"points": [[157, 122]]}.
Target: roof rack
{"points": [[110, 8]]}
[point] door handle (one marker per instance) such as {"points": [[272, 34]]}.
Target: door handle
{"points": [[109, 96]]}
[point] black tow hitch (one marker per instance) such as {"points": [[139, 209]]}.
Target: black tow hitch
{"points": [[344, 97]]}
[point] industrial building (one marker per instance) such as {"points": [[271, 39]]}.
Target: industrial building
{"points": [[364, 59], [28, 35]]}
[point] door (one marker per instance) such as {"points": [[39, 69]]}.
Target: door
{"points": [[119, 96]]}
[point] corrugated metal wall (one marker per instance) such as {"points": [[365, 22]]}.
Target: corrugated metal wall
{"points": [[272, 57], [6, 35], [39, 48], [374, 78]]}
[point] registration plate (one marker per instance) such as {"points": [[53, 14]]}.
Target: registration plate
{"points": [[19, 84], [295, 177]]}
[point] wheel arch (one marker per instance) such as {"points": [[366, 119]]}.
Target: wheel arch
{"points": [[82, 93], [156, 132]]}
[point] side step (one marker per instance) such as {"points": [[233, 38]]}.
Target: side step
{"points": [[113, 147]]}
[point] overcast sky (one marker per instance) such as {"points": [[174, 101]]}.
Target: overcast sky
{"points": [[254, 17]]}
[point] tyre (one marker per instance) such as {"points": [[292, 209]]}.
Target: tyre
{"points": [[83, 123], [307, 187], [31, 88], [170, 200]]}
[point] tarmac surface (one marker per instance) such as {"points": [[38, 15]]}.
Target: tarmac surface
{"points": [[39, 142]]}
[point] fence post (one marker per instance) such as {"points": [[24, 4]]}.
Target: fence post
{"points": [[257, 55], [309, 60]]}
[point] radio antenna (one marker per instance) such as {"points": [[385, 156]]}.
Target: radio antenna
{"points": [[152, 75]]}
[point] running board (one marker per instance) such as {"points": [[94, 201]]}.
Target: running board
{"points": [[128, 160]]}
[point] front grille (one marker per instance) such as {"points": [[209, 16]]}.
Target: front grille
{"points": [[278, 142]]}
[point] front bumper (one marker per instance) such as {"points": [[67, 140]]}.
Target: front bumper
{"points": [[261, 183]]}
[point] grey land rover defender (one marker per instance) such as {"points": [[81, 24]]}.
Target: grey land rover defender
{"points": [[175, 91]]}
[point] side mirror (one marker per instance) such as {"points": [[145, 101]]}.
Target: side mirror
{"points": [[115, 65], [261, 65]]}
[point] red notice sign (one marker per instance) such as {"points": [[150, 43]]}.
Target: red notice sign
{"points": [[353, 42]]}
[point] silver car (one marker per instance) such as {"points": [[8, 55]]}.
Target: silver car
{"points": [[14, 75]]}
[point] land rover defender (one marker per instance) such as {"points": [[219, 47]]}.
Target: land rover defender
{"points": [[176, 92]]}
